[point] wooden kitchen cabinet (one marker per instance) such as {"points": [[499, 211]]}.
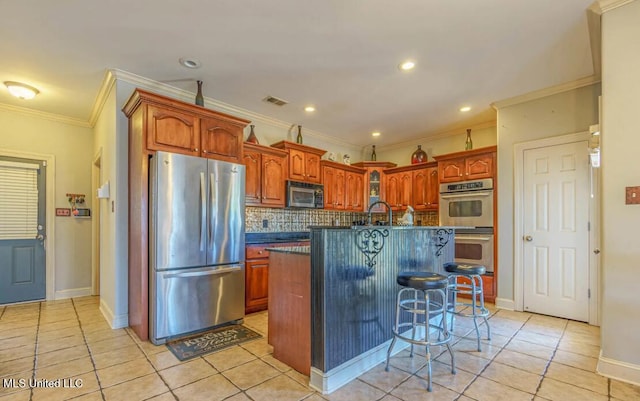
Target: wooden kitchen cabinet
{"points": [[343, 186], [304, 161], [179, 127], [257, 274], [266, 172], [468, 165], [374, 183], [399, 187], [425, 188]]}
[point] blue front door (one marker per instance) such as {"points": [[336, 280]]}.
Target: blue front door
{"points": [[22, 230]]}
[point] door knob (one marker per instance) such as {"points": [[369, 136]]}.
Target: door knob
{"points": [[528, 238], [596, 251]]}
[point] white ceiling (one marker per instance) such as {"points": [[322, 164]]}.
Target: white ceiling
{"points": [[340, 55]]}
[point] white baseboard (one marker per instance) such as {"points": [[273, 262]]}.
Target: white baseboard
{"points": [[116, 322], [73, 293], [503, 303], [339, 376], [622, 371]]}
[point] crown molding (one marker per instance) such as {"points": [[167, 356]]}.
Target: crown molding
{"points": [[108, 82], [45, 116], [440, 135], [211, 103], [553, 90], [602, 6]]}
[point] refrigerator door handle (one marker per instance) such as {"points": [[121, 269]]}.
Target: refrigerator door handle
{"points": [[213, 202], [203, 211], [200, 273]]}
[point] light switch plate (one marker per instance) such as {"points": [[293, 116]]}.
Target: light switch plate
{"points": [[633, 196], [63, 211]]}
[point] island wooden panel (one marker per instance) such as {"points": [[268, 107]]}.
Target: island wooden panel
{"points": [[290, 309]]}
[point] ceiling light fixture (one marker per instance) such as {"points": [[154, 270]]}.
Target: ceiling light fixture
{"points": [[465, 109], [20, 90], [375, 133], [189, 62], [309, 109], [407, 65]]}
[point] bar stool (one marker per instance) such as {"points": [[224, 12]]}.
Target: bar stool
{"points": [[472, 273], [423, 294]]}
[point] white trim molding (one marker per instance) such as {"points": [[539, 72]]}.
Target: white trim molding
{"points": [[503, 303], [115, 321], [618, 370], [602, 6], [553, 90], [73, 293], [45, 116]]}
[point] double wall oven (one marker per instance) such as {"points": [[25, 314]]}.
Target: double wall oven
{"points": [[470, 203]]}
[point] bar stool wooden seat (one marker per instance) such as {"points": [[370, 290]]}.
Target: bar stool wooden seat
{"points": [[422, 304], [471, 285]]}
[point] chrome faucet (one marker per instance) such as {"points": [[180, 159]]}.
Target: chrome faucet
{"points": [[388, 209]]}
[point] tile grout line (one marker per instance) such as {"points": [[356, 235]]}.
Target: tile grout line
{"points": [[492, 359], [553, 354], [152, 365], [35, 350], [86, 344]]}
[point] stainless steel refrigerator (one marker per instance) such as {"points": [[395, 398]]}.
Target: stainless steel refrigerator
{"points": [[196, 238]]}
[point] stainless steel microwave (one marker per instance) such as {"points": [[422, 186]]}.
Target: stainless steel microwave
{"points": [[305, 195]]}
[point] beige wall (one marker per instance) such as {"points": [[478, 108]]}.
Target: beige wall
{"points": [[448, 143], [620, 222], [71, 146], [563, 113]]}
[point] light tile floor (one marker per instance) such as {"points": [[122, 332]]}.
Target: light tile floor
{"points": [[530, 357]]}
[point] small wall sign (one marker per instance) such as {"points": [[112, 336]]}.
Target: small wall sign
{"points": [[60, 211]]}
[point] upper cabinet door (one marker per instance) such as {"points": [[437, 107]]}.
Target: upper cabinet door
{"points": [[221, 140], [172, 131], [312, 167], [452, 170], [253, 189], [296, 165], [480, 166], [274, 174]]}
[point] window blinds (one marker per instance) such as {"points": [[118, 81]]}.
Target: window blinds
{"points": [[18, 200]]}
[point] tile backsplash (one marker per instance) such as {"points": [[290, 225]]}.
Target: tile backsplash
{"points": [[278, 220]]}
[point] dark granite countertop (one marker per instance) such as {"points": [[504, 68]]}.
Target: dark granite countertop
{"points": [[274, 237]]}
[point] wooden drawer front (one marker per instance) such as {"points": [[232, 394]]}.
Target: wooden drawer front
{"points": [[258, 251]]}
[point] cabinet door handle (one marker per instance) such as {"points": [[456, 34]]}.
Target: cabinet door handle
{"points": [[195, 150], [204, 151]]}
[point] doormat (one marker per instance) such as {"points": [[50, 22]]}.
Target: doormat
{"points": [[211, 341]]}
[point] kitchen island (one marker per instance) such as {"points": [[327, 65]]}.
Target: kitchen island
{"points": [[352, 289]]}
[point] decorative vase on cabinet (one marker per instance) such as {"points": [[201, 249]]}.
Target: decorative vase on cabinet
{"points": [[419, 156], [199, 97], [252, 136]]}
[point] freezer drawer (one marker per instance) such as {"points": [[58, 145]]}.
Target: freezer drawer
{"points": [[188, 300]]}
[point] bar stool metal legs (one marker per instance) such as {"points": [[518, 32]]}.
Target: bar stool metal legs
{"points": [[474, 288], [424, 302]]}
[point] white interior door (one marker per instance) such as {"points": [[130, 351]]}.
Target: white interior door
{"points": [[556, 236]]}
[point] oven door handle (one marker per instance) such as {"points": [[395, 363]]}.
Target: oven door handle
{"points": [[467, 238], [466, 195]]}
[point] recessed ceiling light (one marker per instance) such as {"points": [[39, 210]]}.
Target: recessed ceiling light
{"points": [[375, 133], [309, 109], [20, 90], [407, 65], [465, 109], [189, 62]]}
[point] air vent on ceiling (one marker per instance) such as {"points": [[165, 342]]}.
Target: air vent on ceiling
{"points": [[275, 100]]}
